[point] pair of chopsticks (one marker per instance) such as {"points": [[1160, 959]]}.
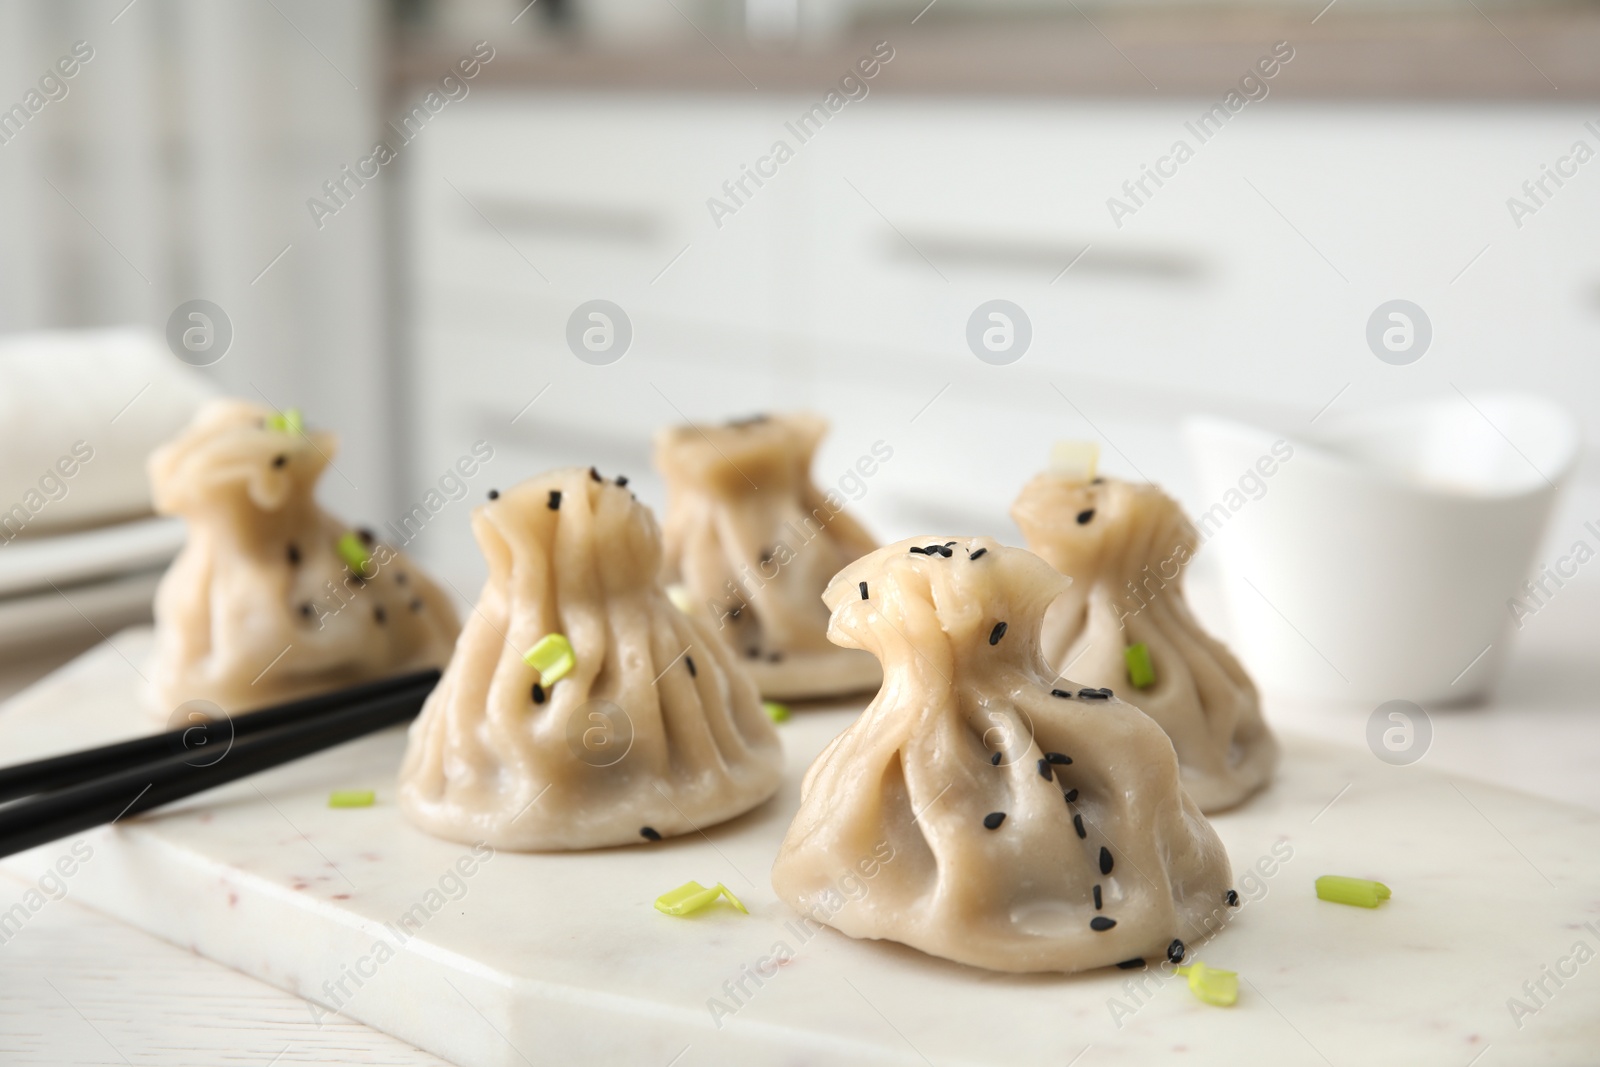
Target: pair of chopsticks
{"points": [[75, 792]]}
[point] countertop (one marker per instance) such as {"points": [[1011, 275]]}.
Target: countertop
{"points": [[1477, 52]]}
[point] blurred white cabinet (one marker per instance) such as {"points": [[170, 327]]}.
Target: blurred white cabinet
{"points": [[845, 280]]}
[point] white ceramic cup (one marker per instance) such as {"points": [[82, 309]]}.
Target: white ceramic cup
{"points": [[1379, 560]]}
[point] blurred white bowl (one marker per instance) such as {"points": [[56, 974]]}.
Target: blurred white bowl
{"points": [[1378, 562]]}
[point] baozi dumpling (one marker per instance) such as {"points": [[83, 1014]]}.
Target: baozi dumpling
{"points": [[1011, 822], [261, 605], [1125, 545], [752, 542], [653, 730]]}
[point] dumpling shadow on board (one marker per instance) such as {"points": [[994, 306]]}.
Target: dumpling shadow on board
{"points": [[271, 598], [1125, 547], [1008, 821], [581, 708], [751, 543]]}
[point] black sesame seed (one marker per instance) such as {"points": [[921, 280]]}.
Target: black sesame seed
{"points": [[649, 833], [622, 479], [690, 661], [918, 550], [1175, 951], [766, 556], [993, 820], [1097, 902], [294, 555], [595, 475], [494, 494], [1071, 795], [306, 610], [1101, 924], [753, 653], [1105, 860], [400, 578], [1062, 693], [1044, 769], [538, 693], [416, 605], [1058, 759], [366, 535], [1098, 481], [280, 460], [995, 759], [1085, 516], [1094, 694], [863, 588], [944, 550], [1077, 824], [1131, 965], [555, 499], [975, 555], [775, 657], [1231, 898], [997, 633], [379, 616]]}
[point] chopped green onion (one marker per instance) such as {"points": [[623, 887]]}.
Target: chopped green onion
{"points": [[288, 421], [354, 552], [352, 798], [775, 711], [1211, 985], [552, 657], [1357, 891], [691, 897], [1141, 672]]}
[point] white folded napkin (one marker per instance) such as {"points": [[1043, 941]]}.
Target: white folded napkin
{"points": [[79, 412]]}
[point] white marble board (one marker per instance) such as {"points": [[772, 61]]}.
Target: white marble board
{"points": [[562, 958]]}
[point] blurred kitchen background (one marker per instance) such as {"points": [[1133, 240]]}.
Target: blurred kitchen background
{"points": [[216, 151]]}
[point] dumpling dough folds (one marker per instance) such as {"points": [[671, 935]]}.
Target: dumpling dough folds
{"points": [[655, 731], [753, 543], [954, 784], [1126, 558], [259, 607]]}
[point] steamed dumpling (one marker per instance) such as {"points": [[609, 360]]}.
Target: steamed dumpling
{"points": [[752, 543], [655, 730], [1124, 546], [1013, 822], [260, 606]]}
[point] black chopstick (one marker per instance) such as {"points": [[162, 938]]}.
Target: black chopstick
{"points": [[196, 741], [50, 816]]}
